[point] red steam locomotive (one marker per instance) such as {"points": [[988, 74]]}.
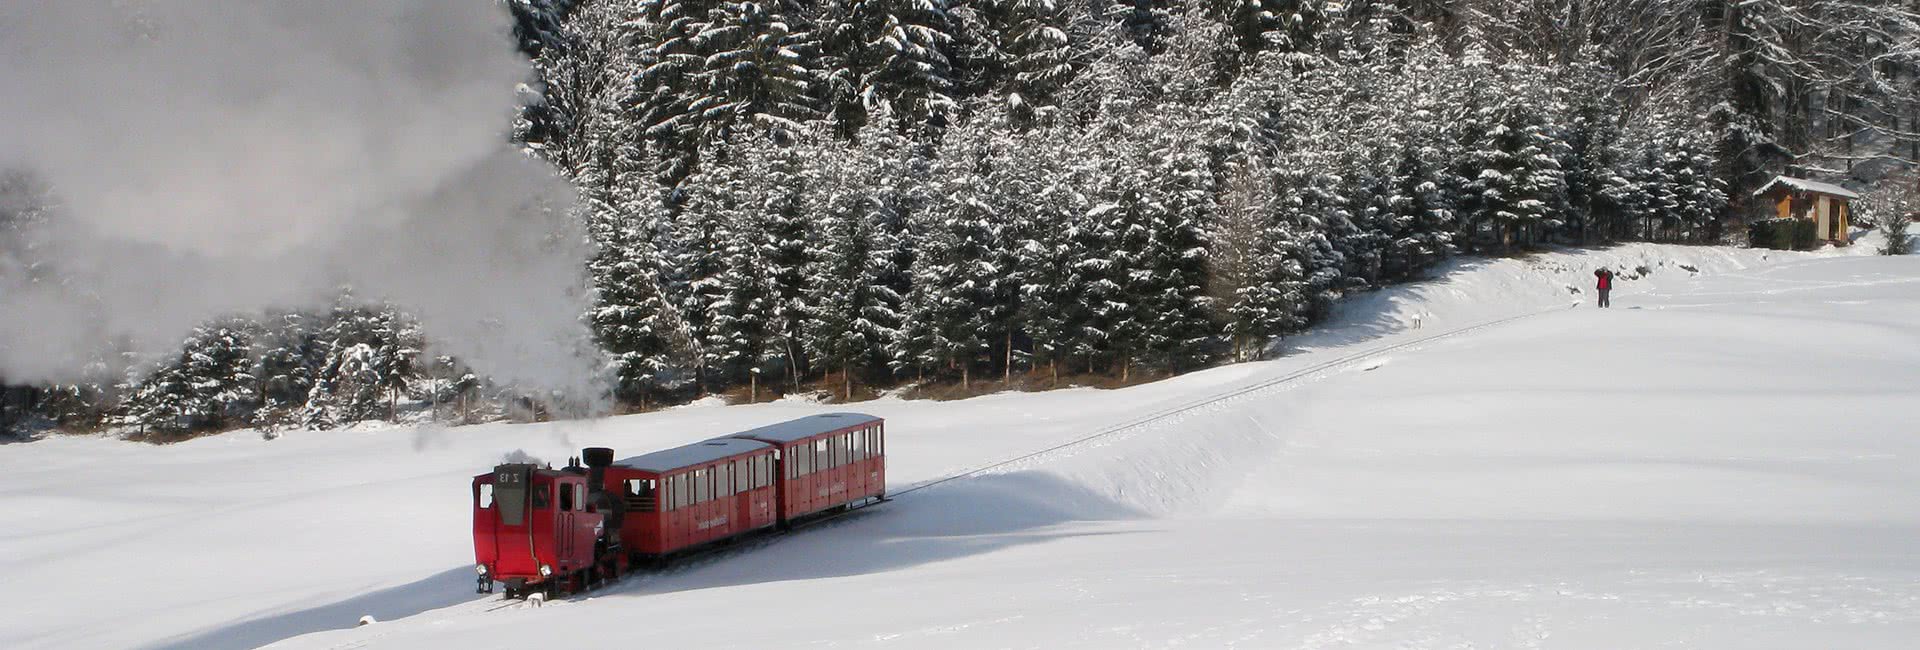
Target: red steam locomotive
{"points": [[563, 530]]}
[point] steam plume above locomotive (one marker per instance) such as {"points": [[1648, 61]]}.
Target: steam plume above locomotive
{"points": [[218, 157]]}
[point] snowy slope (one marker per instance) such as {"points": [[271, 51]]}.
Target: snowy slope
{"points": [[1577, 478]]}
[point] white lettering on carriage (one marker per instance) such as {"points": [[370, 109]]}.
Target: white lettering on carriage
{"points": [[711, 523]]}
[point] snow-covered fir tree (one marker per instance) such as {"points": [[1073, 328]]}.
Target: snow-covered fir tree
{"points": [[898, 54], [210, 385]]}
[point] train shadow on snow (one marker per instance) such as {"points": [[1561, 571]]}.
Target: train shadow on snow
{"points": [[443, 589], [956, 519]]}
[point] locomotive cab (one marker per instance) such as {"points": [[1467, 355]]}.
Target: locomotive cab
{"points": [[532, 529]]}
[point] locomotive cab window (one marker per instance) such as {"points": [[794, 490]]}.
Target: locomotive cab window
{"points": [[566, 497], [485, 496], [539, 497]]}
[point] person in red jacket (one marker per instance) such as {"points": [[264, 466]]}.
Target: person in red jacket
{"points": [[1604, 283]]}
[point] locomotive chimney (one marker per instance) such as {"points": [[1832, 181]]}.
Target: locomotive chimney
{"points": [[597, 459]]}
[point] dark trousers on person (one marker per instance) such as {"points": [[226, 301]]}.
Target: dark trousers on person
{"points": [[1603, 298]]}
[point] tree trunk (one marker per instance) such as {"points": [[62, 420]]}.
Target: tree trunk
{"points": [[1053, 365], [1006, 377], [846, 380], [753, 388], [793, 365]]}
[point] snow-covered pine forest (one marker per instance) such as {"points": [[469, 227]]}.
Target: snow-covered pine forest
{"points": [[855, 195]]}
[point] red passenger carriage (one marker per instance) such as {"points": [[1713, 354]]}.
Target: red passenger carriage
{"points": [[540, 529], [828, 462], [687, 496]]}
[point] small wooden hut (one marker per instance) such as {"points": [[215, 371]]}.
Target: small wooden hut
{"points": [[1824, 203]]}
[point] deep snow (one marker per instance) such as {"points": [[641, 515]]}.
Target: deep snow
{"points": [[1726, 459]]}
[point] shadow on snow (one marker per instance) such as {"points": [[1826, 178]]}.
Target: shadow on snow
{"points": [[443, 589], [957, 519]]}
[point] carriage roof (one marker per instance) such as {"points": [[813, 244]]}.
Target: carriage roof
{"points": [[698, 453], [807, 427]]}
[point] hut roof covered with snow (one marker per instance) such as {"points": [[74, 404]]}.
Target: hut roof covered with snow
{"points": [[1804, 185]]}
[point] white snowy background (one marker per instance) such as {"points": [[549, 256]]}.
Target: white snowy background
{"points": [[1726, 459]]}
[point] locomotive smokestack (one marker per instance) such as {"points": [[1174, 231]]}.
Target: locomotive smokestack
{"points": [[597, 459]]}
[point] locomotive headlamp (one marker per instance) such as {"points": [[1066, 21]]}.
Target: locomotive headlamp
{"points": [[480, 569], [546, 570]]}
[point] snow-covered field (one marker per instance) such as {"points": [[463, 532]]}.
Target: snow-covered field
{"points": [[1728, 459]]}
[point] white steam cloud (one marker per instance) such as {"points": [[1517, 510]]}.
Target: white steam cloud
{"points": [[217, 157]]}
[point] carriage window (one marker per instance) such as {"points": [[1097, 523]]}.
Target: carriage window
{"points": [[485, 499], [765, 476], [702, 486], [723, 480], [539, 497], [845, 441], [821, 459], [675, 488], [639, 495], [805, 454], [743, 474]]}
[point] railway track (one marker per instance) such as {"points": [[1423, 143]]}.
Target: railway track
{"points": [[700, 557], [1219, 398]]}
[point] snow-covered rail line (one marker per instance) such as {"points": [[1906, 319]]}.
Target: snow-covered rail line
{"points": [[1220, 398]]}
